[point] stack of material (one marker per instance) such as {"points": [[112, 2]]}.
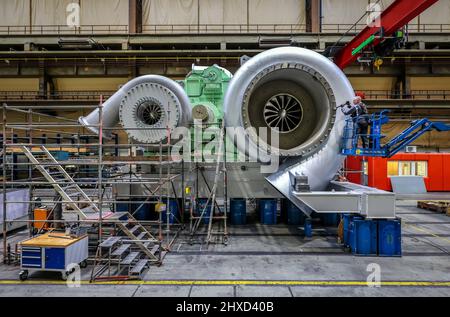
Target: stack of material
{"points": [[442, 206]]}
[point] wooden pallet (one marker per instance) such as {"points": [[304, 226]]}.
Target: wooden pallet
{"points": [[440, 206]]}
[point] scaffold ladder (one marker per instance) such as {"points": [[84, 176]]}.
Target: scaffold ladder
{"points": [[212, 199], [61, 181]]}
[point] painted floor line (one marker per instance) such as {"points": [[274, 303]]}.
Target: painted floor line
{"points": [[428, 232], [239, 283]]}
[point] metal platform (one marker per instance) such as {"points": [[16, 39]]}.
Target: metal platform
{"points": [[347, 198]]}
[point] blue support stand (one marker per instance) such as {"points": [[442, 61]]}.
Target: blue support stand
{"points": [[372, 237], [390, 238], [308, 228]]}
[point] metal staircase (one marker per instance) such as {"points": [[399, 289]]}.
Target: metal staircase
{"points": [[134, 232], [61, 181]]}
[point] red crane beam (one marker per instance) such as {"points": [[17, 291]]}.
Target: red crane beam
{"points": [[396, 16]]}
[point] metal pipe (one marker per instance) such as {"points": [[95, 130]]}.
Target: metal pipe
{"points": [[135, 95], [100, 170], [40, 114], [4, 183]]}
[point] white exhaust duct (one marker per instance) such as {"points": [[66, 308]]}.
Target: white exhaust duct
{"points": [[145, 106], [296, 91]]}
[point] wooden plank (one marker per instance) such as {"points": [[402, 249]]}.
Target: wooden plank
{"points": [[52, 239]]}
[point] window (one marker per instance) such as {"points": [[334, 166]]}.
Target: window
{"points": [[422, 169], [393, 169], [407, 168]]}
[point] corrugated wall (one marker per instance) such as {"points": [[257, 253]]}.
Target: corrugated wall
{"points": [[430, 83], [372, 83], [89, 84], [19, 84]]}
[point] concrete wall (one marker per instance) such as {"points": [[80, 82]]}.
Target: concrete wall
{"points": [[89, 84], [372, 83]]}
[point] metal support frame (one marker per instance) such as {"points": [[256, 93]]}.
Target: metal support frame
{"points": [[218, 214], [375, 148], [396, 16], [87, 152], [349, 198]]}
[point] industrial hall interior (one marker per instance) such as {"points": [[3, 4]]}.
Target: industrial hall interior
{"points": [[225, 148]]}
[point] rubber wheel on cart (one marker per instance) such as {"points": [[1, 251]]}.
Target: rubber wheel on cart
{"points": [[23, 275], [65, 275], [84, 264]]}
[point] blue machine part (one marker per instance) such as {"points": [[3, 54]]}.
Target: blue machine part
{"points": [[295, 216], [55, 258], [308, 228], [268, 211], [392, 147], [173, 211], [60, 155], [372, 237], [363, 237], [238, 211], [122, 207], [346, 220], [201, 203], [389, 238], [139, 210], [330, 220]]}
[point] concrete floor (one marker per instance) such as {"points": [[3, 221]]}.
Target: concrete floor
{"points": [[276, 261]]}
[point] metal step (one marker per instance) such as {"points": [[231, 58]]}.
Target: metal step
{"points": [[141, 235], [135, 228], [121, 250], [74, 194], [154, 249], [117, 215], [130, 258], [63, 187], [110, 242], [139, 267]]}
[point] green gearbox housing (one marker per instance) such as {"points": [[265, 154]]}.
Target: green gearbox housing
{"points": [[206, 88]]}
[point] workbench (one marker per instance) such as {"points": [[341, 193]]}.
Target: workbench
{"points": [[53, 252]]}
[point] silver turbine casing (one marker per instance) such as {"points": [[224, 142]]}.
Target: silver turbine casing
{"points": [[319, 85], [124, 106]]}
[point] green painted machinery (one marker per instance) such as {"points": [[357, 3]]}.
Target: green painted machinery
{"points": [[206, 88]]}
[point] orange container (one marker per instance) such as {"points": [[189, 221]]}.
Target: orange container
{"points": [[41, 214]]}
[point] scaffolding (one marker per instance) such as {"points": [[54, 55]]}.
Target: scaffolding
{"points": [[45, 150], [211, 211]]}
